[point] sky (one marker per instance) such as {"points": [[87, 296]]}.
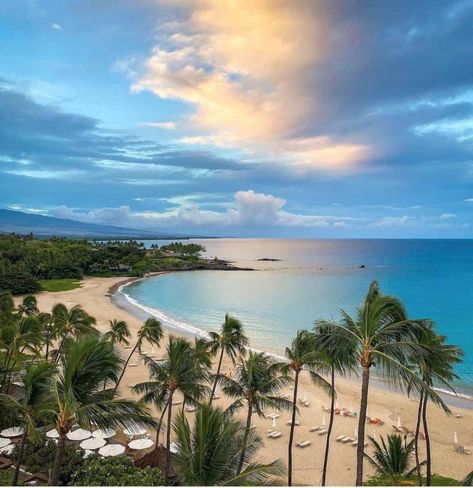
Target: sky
{"points": [[278, 118]]}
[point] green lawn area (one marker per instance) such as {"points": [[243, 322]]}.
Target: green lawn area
{"points": [[60, 285]]}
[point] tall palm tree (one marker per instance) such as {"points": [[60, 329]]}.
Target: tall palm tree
{"points": [[435, 368], [118, 333], [36, 403], [28, 306], [336, 360], [256, 385], [302, 355], [71, 324], [178, 372], [10, 409], [379, 334], [231, 341], [77, 395], [209, 452], [152, 332], [392, 459]]}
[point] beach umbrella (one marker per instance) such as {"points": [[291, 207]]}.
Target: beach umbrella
{"points": [[305, 396], [111, 450], [174, 448], [52, 434], [139, 444], [455, 438], [336, 403], [4, 442], [273, 424], [88, 453], [134, 430], [7, 449], [356, 433], [323, 420], [398, 422], [79, 435], [104, 433], [12, 432], [92, 443]]}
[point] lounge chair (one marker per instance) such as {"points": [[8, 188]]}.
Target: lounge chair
{"points": [[340, 438], [190, 408], [398, 429], [304, 443], [296, 423], [323, 431], [275, 434], [315, 428], [459, 448], [346, 440], [273, 415]]}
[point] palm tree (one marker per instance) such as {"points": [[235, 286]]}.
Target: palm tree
{"points": [[77, 395], [36, 403], [437, 367], [468, 479], [380, 334], [152, 332], [28, 306], [393, 459], [302, 355], [231, 341], [336, 360], [178, 372], [118, 333], [10, 409], [209, 451], [256, 385], [71, 324]]}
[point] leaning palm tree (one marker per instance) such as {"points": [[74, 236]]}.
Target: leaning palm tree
{"points": [[71, 324], [118, 333], [77, 395], [302, 355], [177, 372], [28, 306], [392, 459], [231, 341], [435, 368], [152, 332], [379, 334], [336, 360], [35, 404], [209, 452], [256, 386]]}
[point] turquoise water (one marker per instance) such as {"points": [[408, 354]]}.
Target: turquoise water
{"points": [[314, 279]]}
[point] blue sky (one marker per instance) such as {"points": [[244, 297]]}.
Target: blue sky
{"points": [[298, 118]]}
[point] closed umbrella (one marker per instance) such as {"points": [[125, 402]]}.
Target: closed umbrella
{"points": [[455, 438], [273, 425], [398, 422], [139, 444], [79, 435], [111, 450], [92, 443]]}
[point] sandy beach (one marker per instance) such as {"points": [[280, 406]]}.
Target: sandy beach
{"points": [[94, 296]]}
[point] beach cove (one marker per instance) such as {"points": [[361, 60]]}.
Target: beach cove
{"points": [[95, 297]]}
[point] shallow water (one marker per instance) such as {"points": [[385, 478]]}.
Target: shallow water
{"points": [[314, 279]]}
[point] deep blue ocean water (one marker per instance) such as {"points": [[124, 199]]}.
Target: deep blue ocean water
{"points": [[315, 279]]}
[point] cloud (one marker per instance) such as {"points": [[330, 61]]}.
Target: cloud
{"points": [[56, 27], [170, 125]]}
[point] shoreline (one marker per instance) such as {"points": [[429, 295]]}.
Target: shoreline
{"points": [[459, 400], [96, 297]]}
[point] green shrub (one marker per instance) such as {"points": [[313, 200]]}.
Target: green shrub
{"points": [[18, 282], [437, 480], [6, 477], [115, 471]]}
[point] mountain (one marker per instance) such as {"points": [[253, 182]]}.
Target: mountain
{"points": [[43, 226]]}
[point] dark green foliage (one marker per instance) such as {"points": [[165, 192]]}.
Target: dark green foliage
{"points": [[6, 476], [437, 480], [115, 471], [18, 282], [181, 249], [38, 457]]}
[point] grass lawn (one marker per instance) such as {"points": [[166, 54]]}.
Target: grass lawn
{"points": [[60, 285]]}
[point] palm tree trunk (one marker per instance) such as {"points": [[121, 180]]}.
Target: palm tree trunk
{"points": [[61, 442], [6, 366], [360, 448], [245, 437], [158, 431], [20, 458], [291, 431], [428, 455], [416, 439], [124, 367], [168, 440], [214, 387], [330, 426], [59, 351]]}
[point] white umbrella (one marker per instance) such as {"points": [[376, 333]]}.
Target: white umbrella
{"points": [[398, 422], [356, 433], [7, 449], [336, 403], [112, 450], [12, 432], [88, 453], [4, 442], [174, 448], [139, 444], [455, 438], [79, 435], [135, 430], [104, 433], [92, 443], [374, 435], [52, 434], [273, 424], [323, 420], [305, 397]]}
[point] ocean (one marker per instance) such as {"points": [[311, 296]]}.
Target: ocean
{"points": [[314, 279]]}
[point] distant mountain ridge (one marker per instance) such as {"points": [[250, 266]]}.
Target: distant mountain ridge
{"points": [[43, 226]]}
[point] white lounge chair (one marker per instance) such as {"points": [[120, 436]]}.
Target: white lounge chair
{"points": [[459, 448], [340, 438], [347, 439], [304, 443], [296, 423], [323, 431], [275, 434], [315, 428]]}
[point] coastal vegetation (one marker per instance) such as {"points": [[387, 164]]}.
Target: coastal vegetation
{"points": [[28, 265], [58, 373]]}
